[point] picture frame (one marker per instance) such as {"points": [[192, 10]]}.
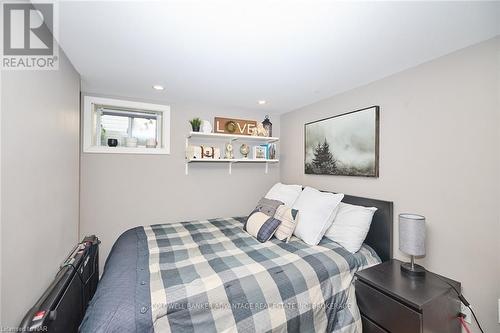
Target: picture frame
{"points": [[343, 145], [260, 152]]}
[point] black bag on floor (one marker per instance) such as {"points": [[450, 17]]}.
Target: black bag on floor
{"points": [[62, 306]]}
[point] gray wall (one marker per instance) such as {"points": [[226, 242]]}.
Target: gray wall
{"points": [[439, 156], [120, 191], [39, 176]]}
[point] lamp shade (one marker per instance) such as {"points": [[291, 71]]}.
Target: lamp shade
{"points": [[412, 234]]}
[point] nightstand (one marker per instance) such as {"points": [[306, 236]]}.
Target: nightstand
{"points": [[391, 301]]}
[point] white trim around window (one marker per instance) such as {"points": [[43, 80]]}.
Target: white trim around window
{"points": [[94, 107]]}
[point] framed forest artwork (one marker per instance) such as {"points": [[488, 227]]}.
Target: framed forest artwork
{"points": [[344, 145]]}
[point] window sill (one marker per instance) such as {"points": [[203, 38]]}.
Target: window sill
{"points": [[126, 150]]}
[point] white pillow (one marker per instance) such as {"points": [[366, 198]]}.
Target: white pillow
{"points": [[317, 211], [284, 193], [350, 226]]}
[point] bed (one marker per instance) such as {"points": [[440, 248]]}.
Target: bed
{"points": [[210, 275]]}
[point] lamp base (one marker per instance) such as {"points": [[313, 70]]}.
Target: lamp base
{"points": [[413, 270]]}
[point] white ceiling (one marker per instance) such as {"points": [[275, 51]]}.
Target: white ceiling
{"points": [[234, 53]]}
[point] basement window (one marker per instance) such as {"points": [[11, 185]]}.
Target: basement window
{"points": [[118, 126]]}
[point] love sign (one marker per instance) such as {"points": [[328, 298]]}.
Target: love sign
{"points": [[234, 126]]}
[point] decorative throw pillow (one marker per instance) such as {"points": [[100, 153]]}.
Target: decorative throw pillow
{"points": [[267, 206], [261, 226], [261, 223], [350, 226], [317, 211], [288, 218], [284, 193]]}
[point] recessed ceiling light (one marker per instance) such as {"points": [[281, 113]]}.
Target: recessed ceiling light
{"points": [[158, 87], [262, 102]]}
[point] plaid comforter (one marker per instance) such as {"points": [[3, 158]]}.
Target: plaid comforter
{"points": [[211, 276]]}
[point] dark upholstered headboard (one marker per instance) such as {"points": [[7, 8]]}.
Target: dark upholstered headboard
{"points": [[380, 234]]}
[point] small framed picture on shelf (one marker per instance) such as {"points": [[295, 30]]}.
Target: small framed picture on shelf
{"points": [[260, 152]]}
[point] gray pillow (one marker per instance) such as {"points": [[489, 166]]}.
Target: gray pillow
{"points": [[267, 206]]}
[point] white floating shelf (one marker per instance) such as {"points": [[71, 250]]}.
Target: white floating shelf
{"points": [[230, 162], [230, 138], [234, 160], [233, 137]]}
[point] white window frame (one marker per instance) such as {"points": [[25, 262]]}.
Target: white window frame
{"points": [[88, 129]]}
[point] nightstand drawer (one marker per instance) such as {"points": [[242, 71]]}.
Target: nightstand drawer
{"points": [[385, 311], [370, 327]]}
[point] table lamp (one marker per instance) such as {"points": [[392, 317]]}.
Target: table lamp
{"points": [[412, 241]]}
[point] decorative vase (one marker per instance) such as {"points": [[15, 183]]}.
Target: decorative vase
{"points": [[131, 142], [112, 142], [206, 127], [151, 143]]}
